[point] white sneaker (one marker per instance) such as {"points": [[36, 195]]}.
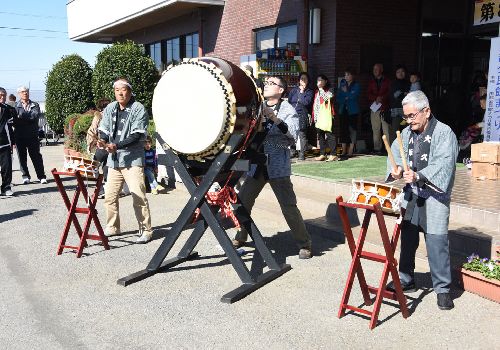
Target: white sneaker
{"points": [[9, 193], [108, 232], [43, 181], [144, 238], [26, 181]]}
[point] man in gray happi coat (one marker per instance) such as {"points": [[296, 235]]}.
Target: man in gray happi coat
{"points": [[431, 148]]}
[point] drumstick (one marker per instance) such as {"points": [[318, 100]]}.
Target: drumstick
{"points": [[402, 150], [389, 153]]}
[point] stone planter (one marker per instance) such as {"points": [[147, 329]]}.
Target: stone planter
{"points": [[476, 283]]}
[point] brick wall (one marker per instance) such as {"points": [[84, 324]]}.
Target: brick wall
{"points": [[241, 17]]}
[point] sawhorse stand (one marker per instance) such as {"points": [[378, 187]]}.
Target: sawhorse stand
{"points": [[358, 253], [73, 209], [224, 161]]}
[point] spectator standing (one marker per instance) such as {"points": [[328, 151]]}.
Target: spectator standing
{"points": [[7, 114], [348, 102], [415, 82], [151, 166], [301, 98], [26, 131], [400, 87], [12, 100], [122, 132], [378, 93], [322, 111]]}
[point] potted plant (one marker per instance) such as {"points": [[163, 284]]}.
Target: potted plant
{"points": [[482, 276]]}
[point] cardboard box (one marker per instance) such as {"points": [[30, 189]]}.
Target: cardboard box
{"points": [[486, 152], [488, 170]]}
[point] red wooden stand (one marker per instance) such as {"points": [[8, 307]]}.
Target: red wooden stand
{"points": [[358, 253], [73, 209]]}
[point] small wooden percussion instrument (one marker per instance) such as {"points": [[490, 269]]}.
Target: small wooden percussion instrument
{"points": [[86, 167], [368, 192]]}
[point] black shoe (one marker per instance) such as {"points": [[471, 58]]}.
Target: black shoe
{"points": [[407, 288], [444, 301]]}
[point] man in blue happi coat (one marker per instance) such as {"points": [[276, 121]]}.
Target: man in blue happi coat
{"points": [[431, 148]]}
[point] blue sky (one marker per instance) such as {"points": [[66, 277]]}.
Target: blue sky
{"points": [[27, 55]]}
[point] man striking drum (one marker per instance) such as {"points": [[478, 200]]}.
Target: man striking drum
{"points": [[282, 125], [431, 148]]}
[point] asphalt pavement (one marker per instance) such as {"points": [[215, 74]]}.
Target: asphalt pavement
{"points": [[61, 302]]}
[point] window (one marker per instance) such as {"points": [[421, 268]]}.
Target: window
{"points": [[173, 53], [276, 37], [173, 50], [155, 53], [191, 45]]}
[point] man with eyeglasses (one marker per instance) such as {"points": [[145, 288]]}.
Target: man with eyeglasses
{"points": [[431, 148], [26, 130], [281, 125]]}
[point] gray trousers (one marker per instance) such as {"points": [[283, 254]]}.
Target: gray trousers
{"points": [[283, 190], [438, 254]]}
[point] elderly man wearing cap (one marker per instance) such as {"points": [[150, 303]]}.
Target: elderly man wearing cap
{"points": [[122, 133], [26, 131]]}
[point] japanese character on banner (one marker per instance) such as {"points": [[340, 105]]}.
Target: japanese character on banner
{"points": [[423, 157], [487, 12], [428, 139], [410, 152], [411, 140], [497, 91], [410, 163]]}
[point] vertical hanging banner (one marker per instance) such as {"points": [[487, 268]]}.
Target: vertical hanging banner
{"points": [[492, 115]]}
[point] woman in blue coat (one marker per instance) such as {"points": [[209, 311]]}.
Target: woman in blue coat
{"points": [[348, 103]]}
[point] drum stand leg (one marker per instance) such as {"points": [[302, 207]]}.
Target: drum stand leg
{"points": [[208, 219]]}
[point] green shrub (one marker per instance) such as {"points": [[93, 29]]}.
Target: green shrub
{"points": [[152, 132], [125, 59], [82, 125], [68, 90]]}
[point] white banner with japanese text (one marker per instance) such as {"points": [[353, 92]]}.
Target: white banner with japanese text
{"points": [[486, 11], [492, 115]]}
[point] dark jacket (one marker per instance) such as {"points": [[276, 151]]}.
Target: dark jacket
{"points": [[382, 90], [302, 102], [7, 116], [26, 122], [399, 89]]}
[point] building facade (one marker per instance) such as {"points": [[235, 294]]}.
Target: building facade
{"points": [[436, 38]]}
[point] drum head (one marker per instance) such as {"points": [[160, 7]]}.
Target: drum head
{"points": [[193, 107]]}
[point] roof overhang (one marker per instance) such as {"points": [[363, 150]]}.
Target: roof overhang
{"points": [[101, 21]]}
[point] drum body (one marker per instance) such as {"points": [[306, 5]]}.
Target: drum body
{"points": [[200, 102], [368, 192]]}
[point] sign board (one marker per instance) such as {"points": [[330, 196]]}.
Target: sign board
{"points": [[492, 114], [486, 11]]}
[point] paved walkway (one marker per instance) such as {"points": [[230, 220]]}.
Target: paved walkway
{"points": [[60, 302]]}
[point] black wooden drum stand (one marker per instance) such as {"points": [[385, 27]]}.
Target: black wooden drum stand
{"points": [[208, 218]]}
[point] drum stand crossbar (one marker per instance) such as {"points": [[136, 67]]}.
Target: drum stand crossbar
{"points": [[208, 218], [358, 253]]}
